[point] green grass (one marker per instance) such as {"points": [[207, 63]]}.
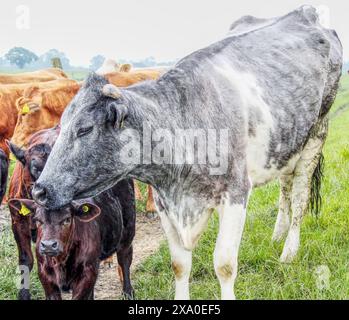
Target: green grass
{"points": [[325, 241]]}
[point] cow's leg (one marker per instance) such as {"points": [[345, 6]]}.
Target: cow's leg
{"points": [[83, 285], [283, 219], [180, 257], [125, 259], [231, 224], [22, 234], [49, 282], [150, 207], [303, 174], [138, 194]]}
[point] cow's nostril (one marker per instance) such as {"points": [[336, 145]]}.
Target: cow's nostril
{"points": [[39, 194], [50, 247]]}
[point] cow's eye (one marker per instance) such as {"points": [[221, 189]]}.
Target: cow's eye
{"points": [[66, 222], [38, 223], [35, 172], [84, 131]]}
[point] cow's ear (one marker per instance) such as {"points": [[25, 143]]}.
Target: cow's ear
{"points": [[126, 67], [86, 211], [17, 152], [116, 114], [24, 207], [31, 91]]}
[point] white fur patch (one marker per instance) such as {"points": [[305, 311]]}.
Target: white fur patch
{"points": [[258, 144], [181, 258], [231, 225]]}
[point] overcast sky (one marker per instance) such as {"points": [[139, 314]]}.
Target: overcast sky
{"points": [[135, 29]]}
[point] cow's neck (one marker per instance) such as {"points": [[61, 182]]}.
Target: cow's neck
{"points": [[152, 109]]}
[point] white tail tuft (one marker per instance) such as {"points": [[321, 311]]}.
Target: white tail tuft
{"points": [[323, 12]]}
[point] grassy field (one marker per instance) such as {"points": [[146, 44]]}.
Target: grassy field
{"points": [[325, 241]]}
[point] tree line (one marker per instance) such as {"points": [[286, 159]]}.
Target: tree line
{"points": [[20, 58]]}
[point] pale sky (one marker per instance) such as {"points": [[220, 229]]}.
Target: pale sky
{"points": [[135, 29]]}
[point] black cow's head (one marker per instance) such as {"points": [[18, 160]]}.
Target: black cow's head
{"points": [[55, 227], [33, 159]]}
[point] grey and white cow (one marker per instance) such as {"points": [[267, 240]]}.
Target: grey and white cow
{"points": [[269, 84]]}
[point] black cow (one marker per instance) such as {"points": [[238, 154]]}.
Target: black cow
{"points": [[72, 241]]}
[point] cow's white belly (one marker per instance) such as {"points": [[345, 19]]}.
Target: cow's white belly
{"points": [[257, 160]]}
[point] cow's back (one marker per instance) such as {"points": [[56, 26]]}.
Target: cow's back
{"points": [[35, 76], [287, 61], [268, 85]]}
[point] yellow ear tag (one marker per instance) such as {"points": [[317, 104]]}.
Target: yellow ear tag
{"points": [[122, 124], [24, 210], [85, 209], [12, 157], [25, 109]]}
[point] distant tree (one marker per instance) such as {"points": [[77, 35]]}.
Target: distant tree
{"points": [[20, 56], [45, 60], [96, 62]]}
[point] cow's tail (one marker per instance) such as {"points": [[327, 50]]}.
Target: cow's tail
{"points": [[315, 201]]}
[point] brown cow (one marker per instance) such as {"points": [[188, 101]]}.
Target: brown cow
{"points": [[35, 76], [11, 88], [72, 241], [79, 254], [8, 96], [125, 79], [41, 107]]}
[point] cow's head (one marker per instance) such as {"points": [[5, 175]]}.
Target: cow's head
{"points": [[55, 228], [126, 67], [4, 164], [33, 159], [41, 108], [85, 159]]}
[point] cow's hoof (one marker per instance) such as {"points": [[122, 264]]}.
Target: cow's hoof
{"points": [[24, 294], [128, 295], [287, 256], [150, 215]]}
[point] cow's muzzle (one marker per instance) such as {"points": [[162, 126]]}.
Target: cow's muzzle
{"points": [[51, 248]]}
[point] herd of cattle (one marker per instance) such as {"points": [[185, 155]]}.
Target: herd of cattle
{"points": [[31, 107], [269, 82]]}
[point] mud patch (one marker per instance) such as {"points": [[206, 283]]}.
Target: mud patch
{"points": [[149, 236]]}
